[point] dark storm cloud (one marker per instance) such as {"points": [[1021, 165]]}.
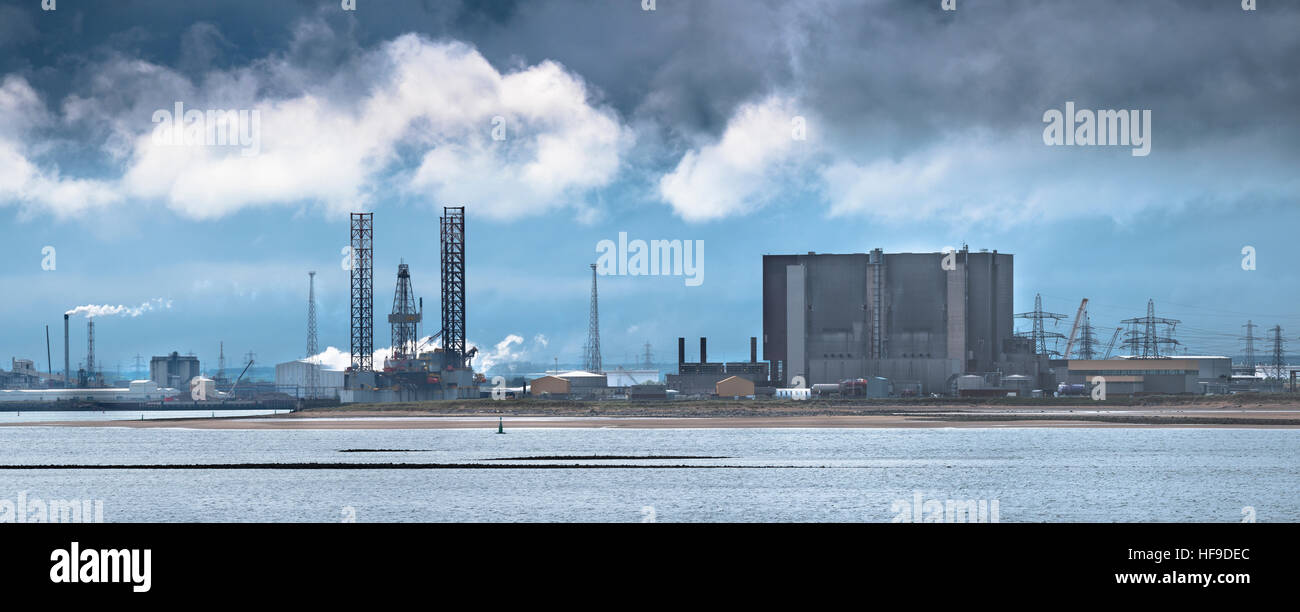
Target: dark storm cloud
{"points": [[905, 72], [880, 79], [16, 26], [894, 69]]}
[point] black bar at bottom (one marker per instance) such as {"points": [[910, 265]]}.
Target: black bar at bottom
{"points": [[327, 559]]}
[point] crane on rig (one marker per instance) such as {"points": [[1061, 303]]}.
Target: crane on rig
{"points": [[1074, 331]]}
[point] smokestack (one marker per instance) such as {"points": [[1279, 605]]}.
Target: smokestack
{"points": [[704, 350], [67, 370], [681, 351], [753, 349]]}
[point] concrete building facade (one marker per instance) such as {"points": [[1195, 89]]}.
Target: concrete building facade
{"points": [[174, 370], [921, 318]]}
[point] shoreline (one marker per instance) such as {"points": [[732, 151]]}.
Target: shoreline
{"points": [[885, 417]]}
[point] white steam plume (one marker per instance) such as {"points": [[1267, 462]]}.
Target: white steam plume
{"points": [[104, 310]]}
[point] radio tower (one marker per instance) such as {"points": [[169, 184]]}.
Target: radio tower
{"points": [[1279, 353], [1249, 351], [404, 317], [1039, 335], [313, 370], [221, 361], [591, 356], [649, 362], [363, 292], [1143, 341]]}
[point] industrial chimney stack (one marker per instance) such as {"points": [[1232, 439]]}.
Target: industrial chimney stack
{"points": [[67, 369]]}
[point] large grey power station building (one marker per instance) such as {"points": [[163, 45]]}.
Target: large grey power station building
{"points": [[919, 318]]}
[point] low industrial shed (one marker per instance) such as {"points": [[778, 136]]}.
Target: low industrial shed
{"points": [[549, 385], [734, 386]]}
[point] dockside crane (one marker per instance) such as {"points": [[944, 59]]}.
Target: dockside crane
{"points": [[1111, 345], [1074, 331]]}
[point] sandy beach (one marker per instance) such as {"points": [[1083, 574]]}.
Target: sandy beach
{"points": [[695, 415]]}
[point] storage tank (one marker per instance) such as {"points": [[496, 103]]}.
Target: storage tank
{"points": [[825, 389]]}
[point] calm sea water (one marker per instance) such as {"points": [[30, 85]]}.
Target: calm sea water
{"points": [[1101, 475], [30, 416]]}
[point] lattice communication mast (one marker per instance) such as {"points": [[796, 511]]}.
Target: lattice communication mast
{"points": [[363, 292], [453, 287], [591, 361], [313, 368], [90, 348]]}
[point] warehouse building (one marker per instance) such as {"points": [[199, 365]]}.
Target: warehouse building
{"points": [[1128, 376], [549, 386], [573, 385], [735, 387], [914, 318]]}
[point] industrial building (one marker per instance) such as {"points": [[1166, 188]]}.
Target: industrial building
{"points": [[701, 377], [577, 384], [734, 387], [549, 386], [139, 391], [174, 371], [22, 376], [1128, 376], [295, 378], [920, 319]]}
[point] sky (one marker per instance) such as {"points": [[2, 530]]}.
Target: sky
{"points": [[757, 127]]}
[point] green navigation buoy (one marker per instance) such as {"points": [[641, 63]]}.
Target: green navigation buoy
{"points": [[500, 426]]}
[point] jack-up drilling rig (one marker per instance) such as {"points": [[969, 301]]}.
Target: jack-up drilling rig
{"points": [[408, 374]]}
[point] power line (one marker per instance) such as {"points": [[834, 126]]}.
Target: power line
{"points": [[1039, 334], [1143, 339]]}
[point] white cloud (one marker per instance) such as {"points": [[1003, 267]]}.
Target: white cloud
{"points": [[333, 358], [509, 349], [411, 112], [21, 180], [732, 175]]}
